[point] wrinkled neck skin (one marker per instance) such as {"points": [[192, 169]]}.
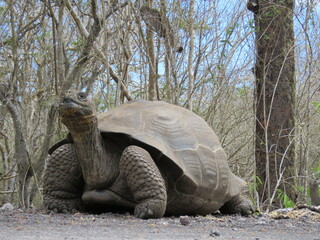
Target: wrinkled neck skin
{"points": [[98, 166]]}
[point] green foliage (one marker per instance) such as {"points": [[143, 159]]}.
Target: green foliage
{"points": [[229, 32], [255, 182], [273, 11], [251, 25], [243, 91], [317, 105], [77, 45], [317, 171], [300, 189], [2, 9], [7, 42], [287, 202], [231, 29], [266, 37]]}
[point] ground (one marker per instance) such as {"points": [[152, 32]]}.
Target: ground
{"points": [[18, 224]]}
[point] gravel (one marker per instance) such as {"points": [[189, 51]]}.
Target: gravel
{"points": [[17, 224]]}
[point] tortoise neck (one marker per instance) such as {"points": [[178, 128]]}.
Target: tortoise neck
{"points": [[97, 163], [80, 125]]}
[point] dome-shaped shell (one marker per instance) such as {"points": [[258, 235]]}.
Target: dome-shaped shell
{"points": [[185, 139]]}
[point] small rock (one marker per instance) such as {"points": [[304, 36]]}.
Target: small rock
{"points": [[261, 222], [257, 216], [164, 222], [214, 234], [184, 220], [7, 207], [242, 219]]}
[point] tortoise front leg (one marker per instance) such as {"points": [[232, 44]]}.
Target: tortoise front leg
{"points": [[237, 204], [145, 182], [63, 181]]}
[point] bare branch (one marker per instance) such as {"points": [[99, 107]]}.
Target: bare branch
{"points": [[90, 44]]}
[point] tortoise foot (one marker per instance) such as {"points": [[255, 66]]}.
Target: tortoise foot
{"points": [[145, 182], [63, 181], [149, 209], [69, 206], [238, 204]]}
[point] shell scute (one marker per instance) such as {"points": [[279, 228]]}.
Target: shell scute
{"points": [[180, 135]]}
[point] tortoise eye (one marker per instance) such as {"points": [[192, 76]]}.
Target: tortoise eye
{"points": [[82, 96]]}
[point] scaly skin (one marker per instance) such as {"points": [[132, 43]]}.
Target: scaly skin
{"points": [[238, 204], [63, 181], [145, 182], [98, 164]]}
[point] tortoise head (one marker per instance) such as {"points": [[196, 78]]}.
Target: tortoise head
{"points": [[77, 111]]}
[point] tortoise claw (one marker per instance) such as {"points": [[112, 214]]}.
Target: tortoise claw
{"points": [[145, 181], [143, 213], [238, 204]]}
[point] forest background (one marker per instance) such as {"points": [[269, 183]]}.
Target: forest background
{"points": [[111, 50]]}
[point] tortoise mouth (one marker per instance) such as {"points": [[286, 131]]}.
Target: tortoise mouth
{"points": [[70, 108], [69, 101]]}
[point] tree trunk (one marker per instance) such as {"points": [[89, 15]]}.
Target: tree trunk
{"points": [[152, 66], [40, 165], [9, 97], [190, 57], [22, 157], [314, 192], [275, 98]]}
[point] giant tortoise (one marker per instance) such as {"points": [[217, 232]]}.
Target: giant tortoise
{"points": [[150, 156]]}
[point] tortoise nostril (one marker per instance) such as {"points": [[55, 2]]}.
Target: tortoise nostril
{"points": [[67, 94], [66, 100]]}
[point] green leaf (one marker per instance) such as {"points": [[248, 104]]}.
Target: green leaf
{"points": [[288, 203], [317, 170], [317, 105], [300, 189]]}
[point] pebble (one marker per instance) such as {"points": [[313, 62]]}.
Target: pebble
{"points": [[214, 234], [184, 220], [261, 222], [7, 207]]}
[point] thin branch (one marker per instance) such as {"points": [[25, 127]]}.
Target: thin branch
{"points": [[86, 34]]}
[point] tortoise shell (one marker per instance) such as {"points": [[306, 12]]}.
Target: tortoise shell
{"points": [[181, 143]]}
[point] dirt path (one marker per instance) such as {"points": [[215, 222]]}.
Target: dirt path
{"points": [[18, 224]]}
